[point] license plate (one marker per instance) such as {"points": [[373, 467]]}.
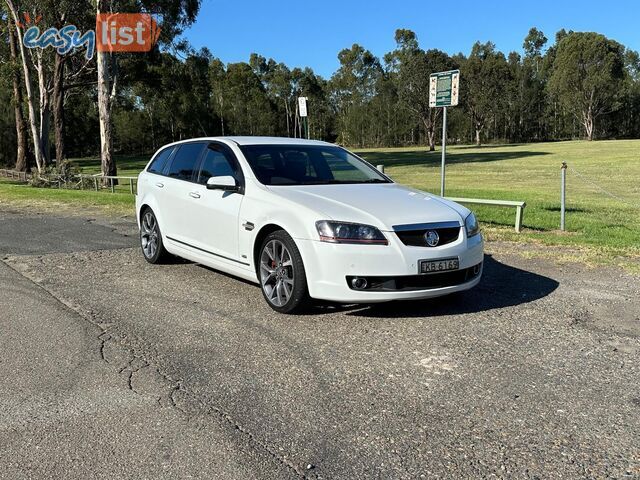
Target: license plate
{"points": [[435, 266]]}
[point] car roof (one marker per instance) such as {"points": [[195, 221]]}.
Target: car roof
{"points": [[246, 140]]}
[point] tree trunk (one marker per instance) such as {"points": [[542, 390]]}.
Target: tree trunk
{"points": [[286, 110], [45, 109], [58, 107], [104, 109], [478, 130], [587, 121], [33, 123], [22, 160], [432, 139]]}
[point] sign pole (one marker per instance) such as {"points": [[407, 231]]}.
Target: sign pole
{"points": [[444, 149], [444, 91], [304, 115]]}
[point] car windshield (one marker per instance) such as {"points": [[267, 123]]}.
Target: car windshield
{"points": [[308, 165]]}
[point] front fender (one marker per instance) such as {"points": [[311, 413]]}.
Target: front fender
{"points": [[263, 212]]}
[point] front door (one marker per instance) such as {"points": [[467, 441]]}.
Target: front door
{"points": [[216, 213]]}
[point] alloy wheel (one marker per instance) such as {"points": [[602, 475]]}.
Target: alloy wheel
{"points": [[276, 273], [149, 234]]}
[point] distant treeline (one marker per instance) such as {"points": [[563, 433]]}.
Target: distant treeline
{"points": [[583, 85]]}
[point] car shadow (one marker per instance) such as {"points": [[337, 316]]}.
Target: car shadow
{"points": [[501, 286]]}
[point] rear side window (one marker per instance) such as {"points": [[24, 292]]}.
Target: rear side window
{"points": [[185, 160], [157, 166]]}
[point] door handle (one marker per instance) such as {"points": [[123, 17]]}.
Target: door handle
{"points": [[194, 194], [159, 185]]}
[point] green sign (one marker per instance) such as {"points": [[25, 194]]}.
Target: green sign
{"points": [[444, 88]]}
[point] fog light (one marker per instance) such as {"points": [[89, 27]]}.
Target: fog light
{"points": [[359, 283]]}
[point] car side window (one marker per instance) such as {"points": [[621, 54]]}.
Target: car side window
{"points": [[158, 163], [219, 160], [185, 160], [215, 164]]}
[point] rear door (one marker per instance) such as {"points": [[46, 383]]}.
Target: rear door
{"points": [[216, 213], [177, 191]]}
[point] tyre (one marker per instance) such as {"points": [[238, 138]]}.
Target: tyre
{"points": [[281, 273], [151, 239]]}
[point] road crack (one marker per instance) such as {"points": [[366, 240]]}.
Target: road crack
{"points": [[136, 363]]}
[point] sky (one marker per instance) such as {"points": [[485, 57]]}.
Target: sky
{"points": [[311, 33]]}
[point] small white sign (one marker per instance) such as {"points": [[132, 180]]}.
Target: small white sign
{"points": [[302, 106]]}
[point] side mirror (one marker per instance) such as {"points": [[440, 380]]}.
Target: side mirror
{"points": [[224, 182]]}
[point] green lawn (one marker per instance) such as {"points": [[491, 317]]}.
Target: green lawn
{"points": [[128, 166], [601, 228], [531, 173], [69, 201]]}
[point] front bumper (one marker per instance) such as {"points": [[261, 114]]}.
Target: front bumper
{"points": [[328, 266]]}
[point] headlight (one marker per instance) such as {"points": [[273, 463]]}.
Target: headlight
{"points": [[341, 232], [471, 224]]}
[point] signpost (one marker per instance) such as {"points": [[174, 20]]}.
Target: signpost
{"points": [[444, 89], [302, 109]]}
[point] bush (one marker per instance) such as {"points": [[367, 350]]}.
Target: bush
{"points": [[65, 174]]}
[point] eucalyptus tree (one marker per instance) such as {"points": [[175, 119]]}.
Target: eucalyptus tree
{"points": [[172, 17], [353, 87], [588, 75], [308, 84], [249, 110], [532, 80], [485, 74], [14, 14], [11, 70], [217, 73]]}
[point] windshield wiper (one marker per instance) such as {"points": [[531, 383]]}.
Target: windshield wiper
{"points": [[375, 180]]}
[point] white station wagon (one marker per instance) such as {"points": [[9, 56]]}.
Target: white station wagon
{"points": [[305, 220]]}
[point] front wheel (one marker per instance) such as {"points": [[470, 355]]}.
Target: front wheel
{"points": [[281, 272]]}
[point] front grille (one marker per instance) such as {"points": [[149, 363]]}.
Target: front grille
{"points": [[415, 238], [414, 234], [418, 282]]}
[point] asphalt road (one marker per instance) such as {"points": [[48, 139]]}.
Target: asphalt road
{"points": [[113, 368]]}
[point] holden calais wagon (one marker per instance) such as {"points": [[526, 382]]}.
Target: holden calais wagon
{"points": [[305, 220]]}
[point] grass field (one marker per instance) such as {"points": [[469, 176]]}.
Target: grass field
{"points": [[601, 227], [68, 201]]}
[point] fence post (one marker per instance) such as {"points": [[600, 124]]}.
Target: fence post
{"points": [[563, 195], [131, 185], [113, 188], [380, 168], [519, 219]]}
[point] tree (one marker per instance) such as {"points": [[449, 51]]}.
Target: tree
{"points": [[483, 78], [353, 87], [174, 16], [217, 75], [33, 119], [22, 160], [587, 78], [414, 67]]}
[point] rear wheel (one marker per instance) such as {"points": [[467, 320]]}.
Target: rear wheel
{"points": [[151, 239], [281, 273]]}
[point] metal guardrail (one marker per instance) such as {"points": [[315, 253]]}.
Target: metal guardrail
{"points": [[519, 206]]}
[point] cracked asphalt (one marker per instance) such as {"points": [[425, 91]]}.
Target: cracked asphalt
{"points": [[114, 368]]}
